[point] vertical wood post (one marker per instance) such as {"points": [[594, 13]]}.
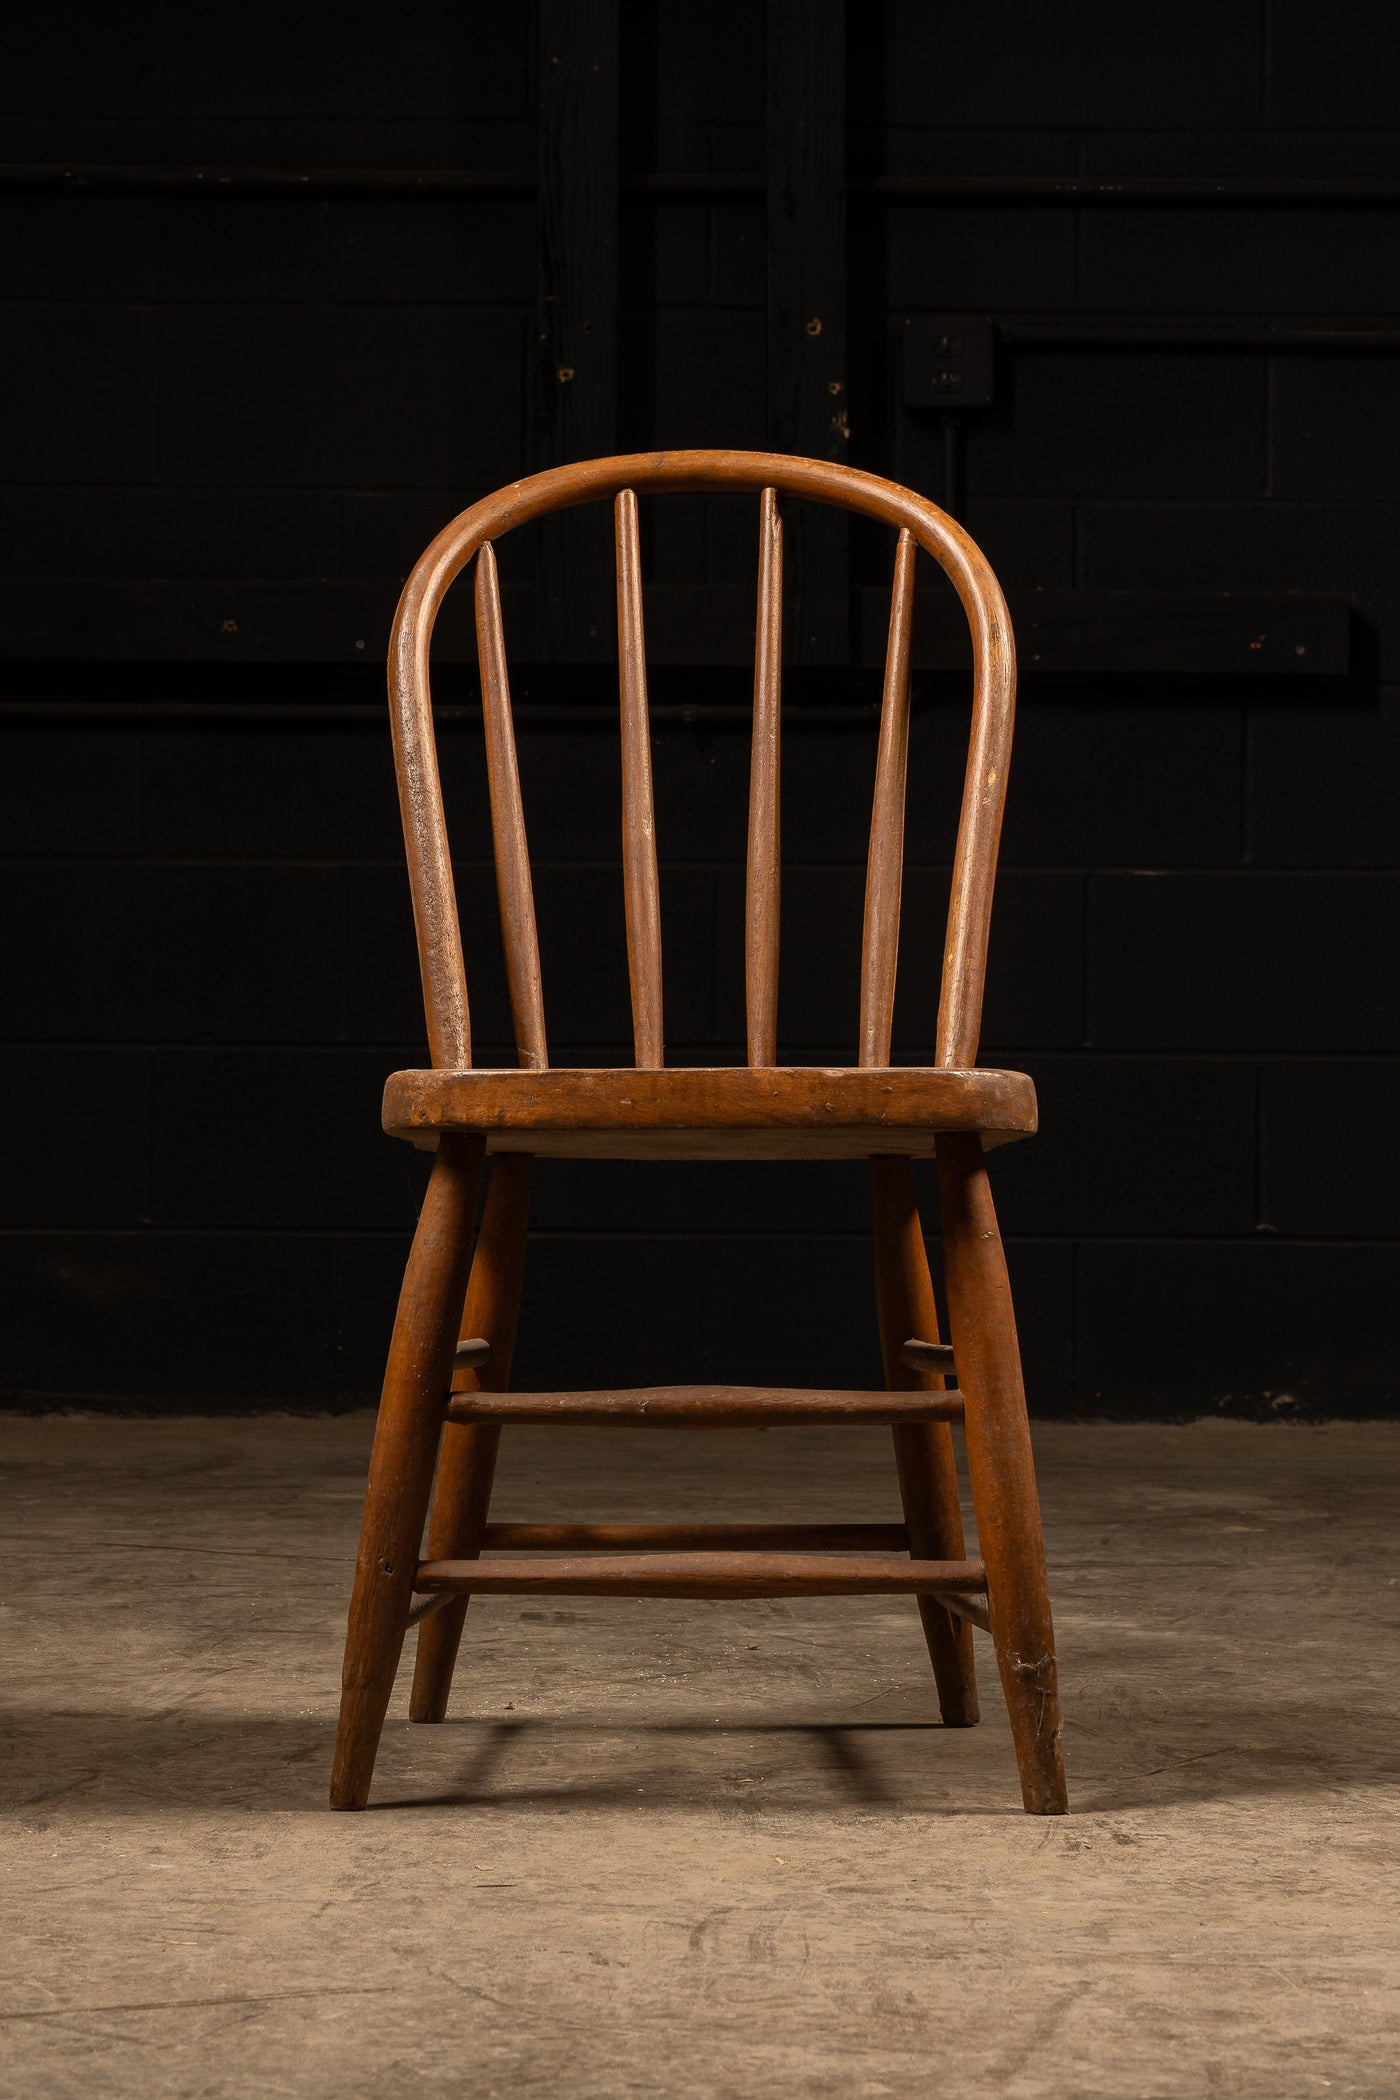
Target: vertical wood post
{"points": [[1001, 1467], [807, 374], [640, 882], [467, 1461], [576, 412], [928, 1475], [417, 1380], [763, 877]]}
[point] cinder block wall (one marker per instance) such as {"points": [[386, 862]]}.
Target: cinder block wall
{"points": [[209, 956]]}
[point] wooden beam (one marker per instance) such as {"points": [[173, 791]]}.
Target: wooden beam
{"points": [[706, 1407], [807, 369], [706, 1575], [576, 414], [763, 880]]}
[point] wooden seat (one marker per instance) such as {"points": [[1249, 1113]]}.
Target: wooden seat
{"points": [[446, 1397], [712, 1112]]}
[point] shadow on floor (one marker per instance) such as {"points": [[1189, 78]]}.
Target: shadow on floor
{"points": [[182, 1761]]}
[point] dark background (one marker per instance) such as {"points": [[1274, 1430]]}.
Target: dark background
{"points": [[239, 402]]}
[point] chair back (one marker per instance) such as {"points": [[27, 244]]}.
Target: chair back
{"points": [[775, 478]]}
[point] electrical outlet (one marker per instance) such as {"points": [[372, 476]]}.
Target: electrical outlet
{"points": [[949, 361]]}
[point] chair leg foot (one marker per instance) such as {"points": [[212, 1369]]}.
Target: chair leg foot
{"points": [[467, 1464], [928, 1483], [407, 1434], [1002, 1469], [928, 1479], [466, 1471]]}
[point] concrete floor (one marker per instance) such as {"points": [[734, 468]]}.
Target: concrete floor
{"points": [[699, 1849]]}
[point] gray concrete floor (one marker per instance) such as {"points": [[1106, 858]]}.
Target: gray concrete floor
{"points": [[699, 1849]]}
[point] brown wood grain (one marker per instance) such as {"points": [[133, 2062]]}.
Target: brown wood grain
{"points": [[888, 1114], [705, 1407], [763, 885], [715, 1111], [923, 1451], [640, 885], [935, 1357], [467, 1460], [1002, 1471], [406, 1439], [810, 480], [884, 876], [514, 888], [704, 1575]]}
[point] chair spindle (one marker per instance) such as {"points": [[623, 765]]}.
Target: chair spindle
{"points": [[641, 890], [884, 880], [516, 891], [763, 886]]}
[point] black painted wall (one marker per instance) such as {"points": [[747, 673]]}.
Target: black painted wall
{"points": [[232, 423]]}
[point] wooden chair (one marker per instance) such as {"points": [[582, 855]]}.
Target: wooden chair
{"points": [[445, 1397]]}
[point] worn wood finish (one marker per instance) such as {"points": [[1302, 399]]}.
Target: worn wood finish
{"points": [[641, 890], [716, 1111], [514, 888], [424, 1608], [763, 885], [705, 1407], [812, 480], [928, 1479], [929, 1356], [698, 1538], [875, 1110], [1002, 1470], [704, 1575], [884, 878], [401, 1463], [467, 1460]]}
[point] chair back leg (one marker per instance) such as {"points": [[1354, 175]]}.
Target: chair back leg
{"points": [[1001, 1468], [467, 1462], [416, 1384], [928, 1480]]}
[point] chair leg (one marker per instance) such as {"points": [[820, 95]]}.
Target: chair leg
{"points": [[416, 1382], [928, 1480], [467, 1462], [1002, 1469]]}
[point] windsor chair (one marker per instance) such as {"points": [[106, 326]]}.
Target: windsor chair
{"points": [[446, 1398]]}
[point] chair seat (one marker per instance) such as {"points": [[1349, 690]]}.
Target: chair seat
{"points": [[712, 1112]]}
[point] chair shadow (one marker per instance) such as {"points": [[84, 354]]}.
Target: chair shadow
{"points": [[92, 1761], [857, 1778]]}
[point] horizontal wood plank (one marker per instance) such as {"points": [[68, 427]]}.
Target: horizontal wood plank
{"points": [[707, 1407], [705, 1575], [712, 1112]]}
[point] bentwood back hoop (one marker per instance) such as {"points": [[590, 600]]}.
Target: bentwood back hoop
{"points": [[446, 1394]]}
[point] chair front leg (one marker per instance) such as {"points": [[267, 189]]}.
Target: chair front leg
{"points": [[1001, 1468], [416, 1382], [928, 1478], [467, 1465]]}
